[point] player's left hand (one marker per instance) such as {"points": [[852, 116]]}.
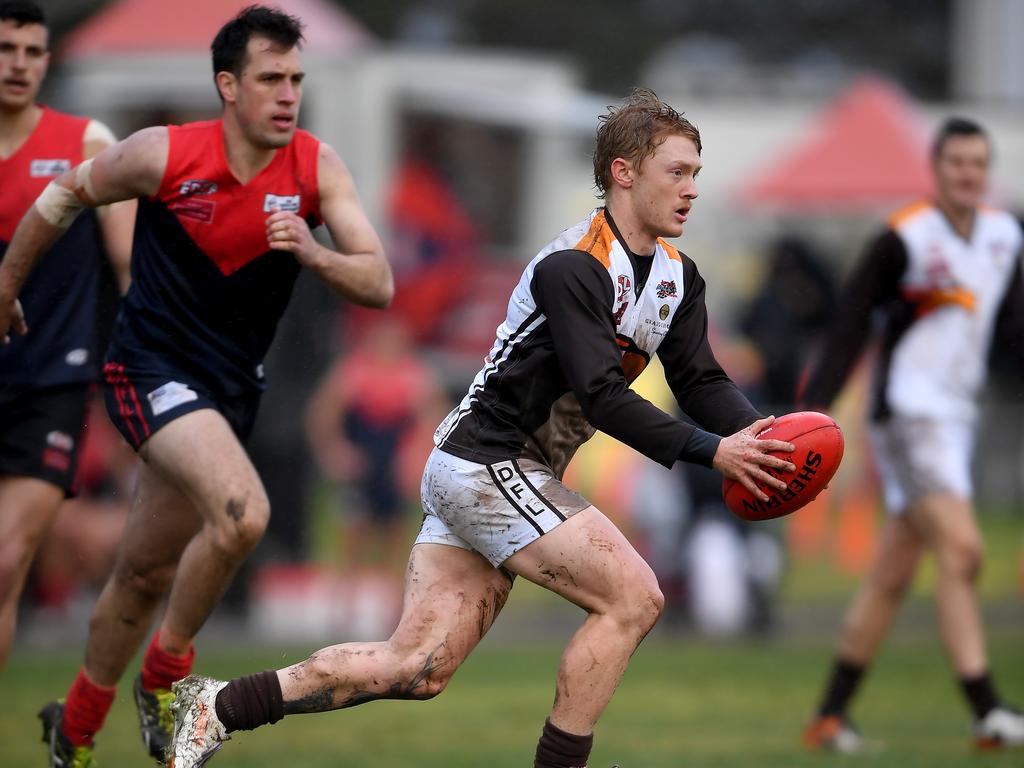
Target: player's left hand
{"points": [[745, 458], [289, 232], [14, 318]]}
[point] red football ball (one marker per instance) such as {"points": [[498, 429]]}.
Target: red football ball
{"points": [[819, 449]]}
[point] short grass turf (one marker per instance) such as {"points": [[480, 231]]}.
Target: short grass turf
{"points": [[684, 702]]}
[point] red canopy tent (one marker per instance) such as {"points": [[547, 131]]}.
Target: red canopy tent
{"points": [[868, 148], [188, 26]]}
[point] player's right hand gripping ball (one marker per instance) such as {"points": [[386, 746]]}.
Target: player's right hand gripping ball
{"points": [[819, 449]]}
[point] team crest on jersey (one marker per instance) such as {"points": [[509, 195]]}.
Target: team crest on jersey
{"points": [[939, 274], [624, 285], [198, 187], [44, 168], [1000, 251], [273, 202], [663, 312], [666, 289]]}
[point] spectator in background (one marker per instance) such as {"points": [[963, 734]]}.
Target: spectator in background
{"points": [[732, 567], [720, 574], [788, 317], [945, 276], [434, 245], [360, 419], [78, 555]]}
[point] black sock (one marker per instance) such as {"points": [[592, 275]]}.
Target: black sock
{"points": [[558, 749], [249, 702], [980, 694], [842, 684]]}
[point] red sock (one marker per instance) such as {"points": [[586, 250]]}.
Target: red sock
{"points": [[160, 668], [86, 709]]}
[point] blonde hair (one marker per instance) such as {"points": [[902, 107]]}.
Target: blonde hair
{"points": [[634, 131]]}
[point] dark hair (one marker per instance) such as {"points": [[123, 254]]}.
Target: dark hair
{"points": [[634, 132], [229, 46], [956, 126], [22, 12]]}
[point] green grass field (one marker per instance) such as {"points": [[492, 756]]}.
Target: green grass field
{"points": [[684, 702]]}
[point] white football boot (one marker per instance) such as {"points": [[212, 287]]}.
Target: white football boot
{"points": [[198, 732], [1002, 727]]}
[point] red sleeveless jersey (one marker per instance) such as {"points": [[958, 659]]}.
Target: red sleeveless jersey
{"points": [[207, 293], [224, 217], [53, 147], [59, 297]]}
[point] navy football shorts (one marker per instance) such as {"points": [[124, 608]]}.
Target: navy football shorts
{"points": [[41, 432], [141, 402]]}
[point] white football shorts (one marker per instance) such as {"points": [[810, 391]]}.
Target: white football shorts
{"points": [[494, 509], [918, 456]]}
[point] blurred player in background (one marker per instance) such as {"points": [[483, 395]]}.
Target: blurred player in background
{"points": [[359, 420], [47, 378], [946, 277], [78, 554], [225, 214], [586, 317]]}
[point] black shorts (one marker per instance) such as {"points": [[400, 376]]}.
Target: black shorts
{"points": [[377, 489], [41, 432], [139, 403]]}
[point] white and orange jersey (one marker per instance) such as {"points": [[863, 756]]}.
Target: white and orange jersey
{"points": [[583, 322], [955, 286], [941, 295]]}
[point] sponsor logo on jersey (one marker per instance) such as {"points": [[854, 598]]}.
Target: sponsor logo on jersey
{"points": [[620, 312], [198, 187], [62, 441], [663, 312], [78, 356], [170, 395], [666, 289], [281, 203], [43, 168], [624, 285], [197, 209], [658, 327], [622, 297]]}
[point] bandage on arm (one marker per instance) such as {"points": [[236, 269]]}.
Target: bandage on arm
{"points": [[59, 205]]}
